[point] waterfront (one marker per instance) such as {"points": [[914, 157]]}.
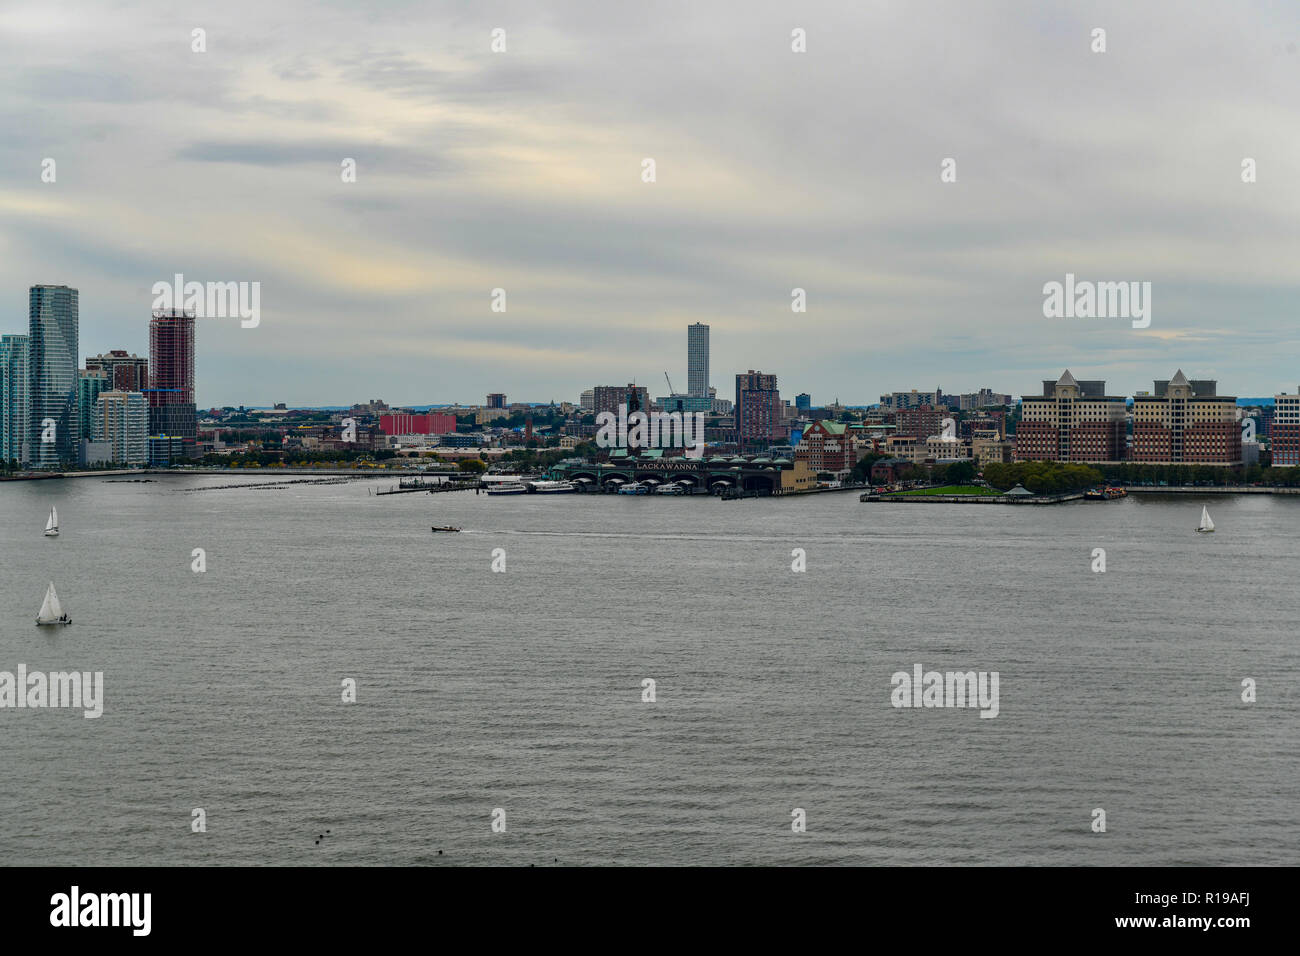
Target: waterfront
{"points": [[522, 689]]}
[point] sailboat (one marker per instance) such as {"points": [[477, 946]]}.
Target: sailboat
{"points": [[1206, 524], [51, 612], [52, 525]]}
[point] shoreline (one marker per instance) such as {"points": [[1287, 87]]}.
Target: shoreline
{"points": [[199, 472], [972, 499], [865, 493], [1078, 495]]}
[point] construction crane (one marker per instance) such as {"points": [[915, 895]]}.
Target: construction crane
{"points": [[670, 384]]}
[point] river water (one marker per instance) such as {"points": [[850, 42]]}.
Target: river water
{"points": [[521, 690]]}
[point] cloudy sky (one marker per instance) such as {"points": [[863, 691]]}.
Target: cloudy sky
{"points": [[775, 170]]}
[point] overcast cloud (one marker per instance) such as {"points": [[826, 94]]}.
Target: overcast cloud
{"points": [[775, 170]]}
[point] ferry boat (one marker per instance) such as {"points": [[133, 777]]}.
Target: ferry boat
{"points": [[672, 488], [553, 487], [508, 488], [635, 488]]}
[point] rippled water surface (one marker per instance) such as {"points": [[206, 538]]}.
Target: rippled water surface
{"points": [[522, 690]]}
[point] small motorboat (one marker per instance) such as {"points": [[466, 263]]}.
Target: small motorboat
{"points": [[436, 529]]}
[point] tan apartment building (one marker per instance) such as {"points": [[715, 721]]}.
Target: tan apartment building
{"points": [[1073, 422], [1186, 423]]}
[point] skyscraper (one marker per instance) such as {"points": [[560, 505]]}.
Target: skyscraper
{"points": [[122, 420], [90, 383], [53, 422], [758, 411], [13, 397], [171, 376], [697, 360]]}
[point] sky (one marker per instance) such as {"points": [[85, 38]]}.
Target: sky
{"points": [[522, 170]]}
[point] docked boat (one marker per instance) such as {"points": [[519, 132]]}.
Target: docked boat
{"points": [[508, 488], [1104, 494], [51, 611], [1206, 525], [635, 488], [672, 488], [553, 487], [52, 523], [436, 529]]}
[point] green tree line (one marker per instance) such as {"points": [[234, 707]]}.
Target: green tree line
{"points": [[1042, 477]]}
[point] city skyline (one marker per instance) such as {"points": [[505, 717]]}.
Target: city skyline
{"points": [[123, 364], [522, 171]]}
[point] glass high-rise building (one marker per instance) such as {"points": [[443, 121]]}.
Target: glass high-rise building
{"points": [[697, 360], [53, 428], [13, 397], [171, 376], [90, 383]]}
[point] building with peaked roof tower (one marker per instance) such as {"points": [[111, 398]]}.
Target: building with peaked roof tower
{"points": [[1074, 422], [1186, 423]]}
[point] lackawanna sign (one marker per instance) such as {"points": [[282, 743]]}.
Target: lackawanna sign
{"points": [[672, 464]]}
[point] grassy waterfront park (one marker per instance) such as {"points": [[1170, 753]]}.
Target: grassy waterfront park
{"points": [[948, 490]]}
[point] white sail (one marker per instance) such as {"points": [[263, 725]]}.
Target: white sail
{"points": [[50, 610], [52, 524], [1206, 523]]}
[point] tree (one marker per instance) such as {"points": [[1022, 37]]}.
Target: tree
{"points": [[1041, 477], [473, 466], [862, 470], [960, 473]]}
